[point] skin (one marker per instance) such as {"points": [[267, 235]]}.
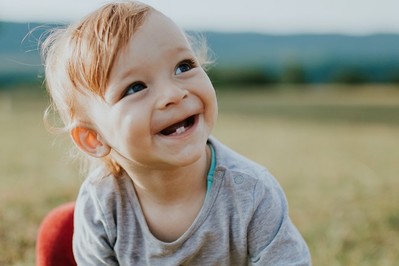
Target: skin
{"points": [[156, 82]]}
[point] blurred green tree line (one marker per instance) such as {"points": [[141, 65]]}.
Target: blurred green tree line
{"points": [[237, 77], [296, 74]]}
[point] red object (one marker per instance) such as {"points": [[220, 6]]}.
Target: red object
{"points": [[54, 240]]}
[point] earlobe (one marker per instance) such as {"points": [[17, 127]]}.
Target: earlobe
{"points": [[90, 142]]}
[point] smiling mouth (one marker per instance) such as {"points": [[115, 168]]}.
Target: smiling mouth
{"points": [[180, 127]]}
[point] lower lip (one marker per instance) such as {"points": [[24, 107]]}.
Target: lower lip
{"points": [[185, 133]]}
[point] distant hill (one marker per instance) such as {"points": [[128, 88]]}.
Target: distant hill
{"points": [[320, 56], [19, 53], [250, 48]]}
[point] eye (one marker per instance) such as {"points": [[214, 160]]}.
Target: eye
{"points": [[185, 66], [134, 88]]}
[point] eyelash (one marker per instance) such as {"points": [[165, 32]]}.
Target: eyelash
{"points": [[190, 62], [134, 88]]}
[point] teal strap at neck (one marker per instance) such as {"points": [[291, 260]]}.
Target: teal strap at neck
{"points": [[211, 169]]}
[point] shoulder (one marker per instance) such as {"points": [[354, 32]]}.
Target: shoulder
{"points": [[104, 188], [248, 179], [240, 168], [101, 197], [96, 214]]}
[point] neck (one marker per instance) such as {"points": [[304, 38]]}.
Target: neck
{"points": [[173, 185]]}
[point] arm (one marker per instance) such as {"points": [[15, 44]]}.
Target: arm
{"points": [[92, 240], [272, 238]]}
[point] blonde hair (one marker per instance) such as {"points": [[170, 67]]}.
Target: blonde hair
{"points": [[79, 58]]}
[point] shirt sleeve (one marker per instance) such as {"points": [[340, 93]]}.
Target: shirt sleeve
{"points": [[272, 237], [91, 239]]}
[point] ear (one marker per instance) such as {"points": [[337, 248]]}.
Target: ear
{"points": [[89, 141]]}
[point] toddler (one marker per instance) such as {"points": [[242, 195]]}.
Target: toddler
{"points": [[132, 92]]}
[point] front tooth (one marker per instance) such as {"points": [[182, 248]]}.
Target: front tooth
{"points": [[180, 130]]}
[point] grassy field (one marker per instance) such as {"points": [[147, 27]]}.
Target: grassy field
{"points": [[335, 151]]}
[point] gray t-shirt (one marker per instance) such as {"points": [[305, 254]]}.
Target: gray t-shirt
{"points": [[243, 221]]}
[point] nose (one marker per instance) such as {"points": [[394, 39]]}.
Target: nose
{"points": [[171, 95]]}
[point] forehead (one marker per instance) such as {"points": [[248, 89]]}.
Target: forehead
{"points": [[158, 29], [158, 35], [157, 25]]}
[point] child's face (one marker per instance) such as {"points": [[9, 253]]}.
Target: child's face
{"points": [[160, 105]]}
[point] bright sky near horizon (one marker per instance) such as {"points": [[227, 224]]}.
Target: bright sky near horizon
{"points": [[267, 16]]}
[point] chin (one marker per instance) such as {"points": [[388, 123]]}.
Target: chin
{"points": [[189, 154]]}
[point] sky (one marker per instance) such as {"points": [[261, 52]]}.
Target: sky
{"points": [[357, 17]]}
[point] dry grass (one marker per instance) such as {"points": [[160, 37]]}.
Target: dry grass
{"points": [[340, 174], [339, 169], [35, 175]]}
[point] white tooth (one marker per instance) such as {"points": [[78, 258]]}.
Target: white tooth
{"points": [[180, 130]]}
